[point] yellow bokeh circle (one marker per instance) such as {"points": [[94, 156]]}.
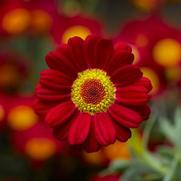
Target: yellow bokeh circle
{"points": [[40, 148], [147, 72], [80, 31], [22, 118], [41, 21], [167, 52], [16, 21], [116, 151]]}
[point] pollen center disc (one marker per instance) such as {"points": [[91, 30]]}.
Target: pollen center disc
{"points": [[93, 91]]}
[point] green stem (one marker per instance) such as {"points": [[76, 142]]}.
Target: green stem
{"points": [[148, 158], [154, 163], [169, 176], [147, 130]]}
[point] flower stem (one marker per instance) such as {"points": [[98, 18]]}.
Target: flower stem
{"points": [[170, 174], [147, 130], [154, 163]]}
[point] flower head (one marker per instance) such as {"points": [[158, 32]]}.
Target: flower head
{"points": [[157, 47], [35, 17], [37, 143], [91, 94], [69, 27], [20, 113]]}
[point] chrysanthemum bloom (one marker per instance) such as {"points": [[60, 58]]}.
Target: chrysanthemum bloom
{"points": [[157, 46], [20, 113], [151, 70], [14, 18], [37, 143], [91, 94], [43, 14], [68, 27], [159, 39], [19, 16]]}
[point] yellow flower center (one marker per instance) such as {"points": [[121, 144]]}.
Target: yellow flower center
{"points": [[167, 52], [16, 21], [80, 31], [40, 148], [93, 91], [147, 72], [22, 118]]}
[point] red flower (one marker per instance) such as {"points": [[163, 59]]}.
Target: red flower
{"points": [[20, 113], [92, 94], [157, 46], [34, 16], [37, 143], [16, 112], [67, 27]]}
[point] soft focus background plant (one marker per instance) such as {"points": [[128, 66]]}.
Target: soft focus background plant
{"points": [[29, 29]]}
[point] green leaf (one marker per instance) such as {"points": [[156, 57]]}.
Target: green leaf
{"points": [[119, 165], [172, 130], [140, 172]]}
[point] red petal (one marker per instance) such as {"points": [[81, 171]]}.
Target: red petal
{"points": [[132, 95], [89, 48], [60, 60], [121, 46], [61, 132], [75, 46], [103, 52], [123, 133], [125, 116], [120, 58], [126, 75], [49, 95], [144, 111], [55, 80], [79, 129], [145, 82], [91, 144], [60, 114], [42, 107], [104, 129]]}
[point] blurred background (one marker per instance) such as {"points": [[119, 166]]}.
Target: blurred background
{"points": [[29, 29]]}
